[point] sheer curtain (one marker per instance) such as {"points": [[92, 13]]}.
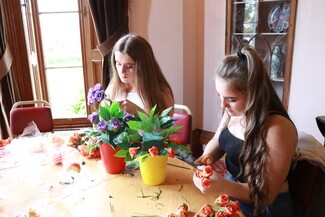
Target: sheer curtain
{"points": [[111, 21], [8, 88]]}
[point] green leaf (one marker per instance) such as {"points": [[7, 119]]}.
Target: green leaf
{"points": [[149, 136], [104, 113], [105, 138], [165, 112], [144, 159], [95, 134], [122, 137], [114, 109], [134, 125], [121, 153], [143, 117]]}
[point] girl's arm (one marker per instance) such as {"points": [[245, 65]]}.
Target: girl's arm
{"points": [[281, 138]]}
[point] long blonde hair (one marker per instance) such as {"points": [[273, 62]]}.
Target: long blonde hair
{"points": [[151, 83], [246, 71]]}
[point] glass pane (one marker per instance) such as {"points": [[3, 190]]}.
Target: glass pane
{"points": [[57, 5], [245, 18], [61, 43], [66, 92]]}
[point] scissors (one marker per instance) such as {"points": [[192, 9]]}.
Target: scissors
{"points": [[194, 166]]}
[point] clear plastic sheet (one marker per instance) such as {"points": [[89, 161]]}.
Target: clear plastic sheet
{"points": [[30, 179]]}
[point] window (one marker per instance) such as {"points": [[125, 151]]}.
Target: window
{"points": [[60, 36]]}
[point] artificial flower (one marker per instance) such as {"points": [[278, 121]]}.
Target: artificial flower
{"points": [[181, 211], [4, 142], [205, 211], [222, 200], [109, 120], [223, 207], [148, 134]]}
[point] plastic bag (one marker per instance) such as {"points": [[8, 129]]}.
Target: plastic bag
{"points": [[31, 130]]}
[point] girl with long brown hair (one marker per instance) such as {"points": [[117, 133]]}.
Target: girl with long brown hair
{"points": [[137, 81], [256, 136]]}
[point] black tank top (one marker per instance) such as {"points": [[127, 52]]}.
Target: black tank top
{"points": [[232, 146]]}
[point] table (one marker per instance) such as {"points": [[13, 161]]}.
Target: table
{"points": [[29, 179]]}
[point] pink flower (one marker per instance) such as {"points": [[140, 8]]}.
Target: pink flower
{"points": [[153, 151]]}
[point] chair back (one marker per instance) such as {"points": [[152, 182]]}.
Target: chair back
{"points": [[304, 182], [38, 111], [183, 116]]}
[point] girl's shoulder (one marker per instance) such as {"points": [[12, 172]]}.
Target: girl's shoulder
{"points": [[281, 129]]}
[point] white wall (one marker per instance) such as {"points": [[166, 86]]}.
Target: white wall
{"points": [[214, 50], [161, 23], [170, 26], [307, 93]]}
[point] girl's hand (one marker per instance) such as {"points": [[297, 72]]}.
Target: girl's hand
{"points": [[129, 106], [204, 160]]}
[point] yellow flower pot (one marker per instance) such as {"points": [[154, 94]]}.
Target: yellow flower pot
{"points": [[153, 169]]}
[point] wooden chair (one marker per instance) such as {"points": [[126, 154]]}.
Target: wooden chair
{"points": [[38, 111], [183, 116]]}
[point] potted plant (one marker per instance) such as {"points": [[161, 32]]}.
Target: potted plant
{"points": [[147, 139], [109, 121]]}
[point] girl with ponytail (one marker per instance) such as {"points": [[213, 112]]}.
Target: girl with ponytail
{"points": [[256, 136]]}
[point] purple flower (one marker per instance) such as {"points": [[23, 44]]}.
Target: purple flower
{"points": [[94, 118], [95, 93], [102, 125], [127, 116], [115, 125]]}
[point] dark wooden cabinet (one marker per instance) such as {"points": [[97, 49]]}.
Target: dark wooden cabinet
{"points": [[268, 25]]}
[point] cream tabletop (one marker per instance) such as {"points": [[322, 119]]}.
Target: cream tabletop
{"points": [[30, 180]]}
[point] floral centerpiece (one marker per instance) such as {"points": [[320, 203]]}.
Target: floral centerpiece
{"points": [[147, 139], [109, 121], [148, 135]]}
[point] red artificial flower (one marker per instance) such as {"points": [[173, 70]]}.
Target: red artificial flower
{"points": [[223, 199], [153, 151], [133, 151], [233, 206], [182, 210], [206, 211], [207, 171], [206, 182], [4, 142], [221, 214]]}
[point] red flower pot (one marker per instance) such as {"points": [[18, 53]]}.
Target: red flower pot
{"points": [[112, 164]]}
